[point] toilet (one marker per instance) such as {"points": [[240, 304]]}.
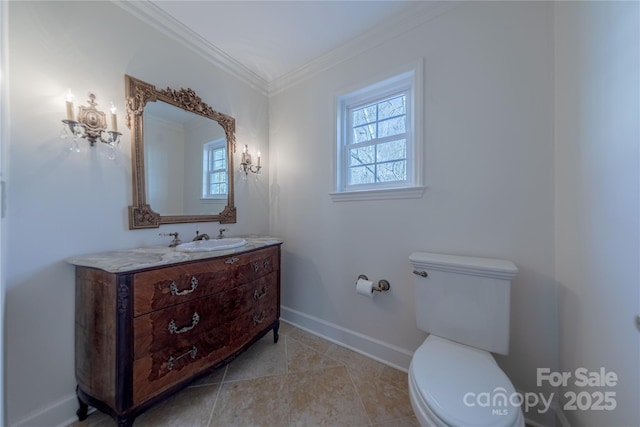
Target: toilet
{"points": [[463, 303]]}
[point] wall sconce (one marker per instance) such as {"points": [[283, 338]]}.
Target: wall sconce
{"points": [[90, 125], [245, 164]]}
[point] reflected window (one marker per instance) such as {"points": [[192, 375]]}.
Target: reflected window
{"points": [[214, 169]]}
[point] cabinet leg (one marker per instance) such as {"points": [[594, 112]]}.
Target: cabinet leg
{"points": [[275, 333], [83, 410]]}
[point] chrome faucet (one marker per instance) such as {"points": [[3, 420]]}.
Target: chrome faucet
{"points": [[175, 242], [202, 236], [221, 234]]}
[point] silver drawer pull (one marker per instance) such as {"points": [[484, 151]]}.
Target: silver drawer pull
{"points": [[266, 263], [232, 260], [175, 291], [420, 273], [172, 360], [256, 266], [257, 295], [173, 329], [257, 320]]}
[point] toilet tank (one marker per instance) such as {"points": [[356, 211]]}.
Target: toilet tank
{"points": [[464, 299]]}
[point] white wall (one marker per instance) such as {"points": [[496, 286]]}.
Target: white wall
{"points": [[597, 85], [164, 164], [488, 126], [60, 204]]}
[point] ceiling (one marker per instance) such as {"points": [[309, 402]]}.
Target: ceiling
{"points": [[272, 39]]}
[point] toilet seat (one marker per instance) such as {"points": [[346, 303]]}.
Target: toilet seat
{"points": [[455, 385]]}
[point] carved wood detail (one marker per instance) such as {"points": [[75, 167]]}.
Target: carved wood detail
{"points": [[128, 358], [138, 94]]}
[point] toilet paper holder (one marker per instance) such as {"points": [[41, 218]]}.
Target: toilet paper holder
{"points": [[383, 285]]}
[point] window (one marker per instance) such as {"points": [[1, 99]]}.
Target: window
{"points": [[377, 143], [377, 150], [214, 169]]}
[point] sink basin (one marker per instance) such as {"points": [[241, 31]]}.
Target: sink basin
{"points": [[211, 245]]}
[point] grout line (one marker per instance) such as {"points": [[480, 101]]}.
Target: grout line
{"points": [[215, 401], [286, 354], [323, 354], [355, 387], [287, 378]]}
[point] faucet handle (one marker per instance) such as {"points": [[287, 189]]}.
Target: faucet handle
{"points": [[175, 242], [221, 235]]}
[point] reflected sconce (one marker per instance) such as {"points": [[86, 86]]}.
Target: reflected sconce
{"points": [[91, 124], [245, 164]]}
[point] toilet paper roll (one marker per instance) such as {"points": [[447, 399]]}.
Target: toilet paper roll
{"points": [[364, 287]]}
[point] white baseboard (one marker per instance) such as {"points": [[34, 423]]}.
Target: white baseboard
{"points": [[383, 352], [60, 413]]}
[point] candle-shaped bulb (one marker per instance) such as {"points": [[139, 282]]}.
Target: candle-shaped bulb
{"points": [[114, 118], [258, 157], [70, 106]]}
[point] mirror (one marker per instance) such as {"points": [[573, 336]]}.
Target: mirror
{"points": [[182, 156]]}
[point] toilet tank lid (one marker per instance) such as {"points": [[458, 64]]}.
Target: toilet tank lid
{"points": [[486, 267]]}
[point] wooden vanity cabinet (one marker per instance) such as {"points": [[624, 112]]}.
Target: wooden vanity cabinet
{"points": [[143, 335]]}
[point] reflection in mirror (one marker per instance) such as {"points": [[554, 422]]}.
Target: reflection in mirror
{"points": [[182, 155], [185, 162]]}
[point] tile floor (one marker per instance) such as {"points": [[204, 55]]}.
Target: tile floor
{"points": [[302, 380]]}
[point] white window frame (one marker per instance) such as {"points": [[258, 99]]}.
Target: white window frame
{"points": [[410, 82], [207, 148]]}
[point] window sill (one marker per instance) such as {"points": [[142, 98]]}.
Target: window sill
{"points": [[382, 194]]}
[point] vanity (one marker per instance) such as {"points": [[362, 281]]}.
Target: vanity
{"points": [[150, 321]]}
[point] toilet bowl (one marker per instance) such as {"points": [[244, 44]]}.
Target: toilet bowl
{"points": [[464, 304], [451, 384]]}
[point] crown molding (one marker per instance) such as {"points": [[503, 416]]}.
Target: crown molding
{"points": [[157, 18], [400, 24]]}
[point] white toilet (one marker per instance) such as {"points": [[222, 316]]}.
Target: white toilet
{"points": [[463, 302]]}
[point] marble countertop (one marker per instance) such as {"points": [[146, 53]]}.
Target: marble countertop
{"points": [[155, 256]]}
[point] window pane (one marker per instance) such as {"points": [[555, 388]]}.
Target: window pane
{"points": [[216, 189], [220, 164], [392, 171], [364, 115], [364, 133], [219, 177], [219, 188], [361, 175], [219, 154], [391, 107], [362, 155], [393, 150], [391, 127]]}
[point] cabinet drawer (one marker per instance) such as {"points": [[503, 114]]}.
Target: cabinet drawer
{"points": [[263, 312], [168, 286], [174, 326], [166, 367]]}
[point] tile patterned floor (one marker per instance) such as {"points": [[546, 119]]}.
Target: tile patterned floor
{"points": [[303, 380]]}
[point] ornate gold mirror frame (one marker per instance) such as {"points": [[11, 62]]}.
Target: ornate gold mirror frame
{"points": [[138, 94]]}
